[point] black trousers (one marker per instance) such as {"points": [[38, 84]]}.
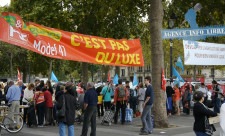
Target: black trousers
{"points": [[48, 115], [25, 113], [41, 113], [107, 105], [120, 105], [100, 110], [133, 104], [89, 117]]}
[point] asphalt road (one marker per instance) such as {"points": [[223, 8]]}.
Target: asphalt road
{"points": [[180, 126]]}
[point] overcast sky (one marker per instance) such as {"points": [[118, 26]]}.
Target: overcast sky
{"points": [[4, 2]]}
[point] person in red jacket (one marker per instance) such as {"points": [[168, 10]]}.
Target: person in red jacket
{"points": [[49, 107]]}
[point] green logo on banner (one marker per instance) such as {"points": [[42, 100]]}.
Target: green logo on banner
{"points": [[10, 19]]}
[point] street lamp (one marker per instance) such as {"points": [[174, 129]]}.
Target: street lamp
{"points": [[171, 24]]}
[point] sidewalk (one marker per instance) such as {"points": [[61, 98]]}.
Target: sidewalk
{"points": [[180, 126]]}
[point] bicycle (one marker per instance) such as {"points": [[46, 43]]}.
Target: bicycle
{"points": [[9, 124]]}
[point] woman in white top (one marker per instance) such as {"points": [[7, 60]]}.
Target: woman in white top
{"points": [[28, 96], [141, 97], [222, 120], [204, 90]]}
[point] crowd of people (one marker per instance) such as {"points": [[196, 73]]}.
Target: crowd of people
{"points": [[178, 98], [48, 106], [51, 106]]}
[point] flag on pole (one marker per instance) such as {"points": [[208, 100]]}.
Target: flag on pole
{"points": [[135, 81], [190, 86], [53, 77], [109, 78], [177, 81], [115, 79], [180, 64], [163, 81], [19, 75], [178, 77]]}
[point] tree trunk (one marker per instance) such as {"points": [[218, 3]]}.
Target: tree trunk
{"points": [[85, 72], [50, 70], [11, 66], [24, 75], [159, 108]]}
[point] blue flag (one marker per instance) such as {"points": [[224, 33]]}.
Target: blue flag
{"points": [[115, 79], [135, 81], [177, 81], [53, 77], [180, 64], [175, 73]]}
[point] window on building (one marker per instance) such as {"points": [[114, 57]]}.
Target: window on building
{"points": [[188, 72], [123, 72], [139, 79], [139, 69], [148, 68], [199, 71]]}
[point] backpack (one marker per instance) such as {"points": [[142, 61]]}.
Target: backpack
{"points": [[121, 92]]}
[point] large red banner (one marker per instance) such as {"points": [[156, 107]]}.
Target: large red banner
{"points": [[70, 46]]}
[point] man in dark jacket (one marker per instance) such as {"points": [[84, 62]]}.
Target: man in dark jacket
{"points": [[90, 107], [70, 106]]}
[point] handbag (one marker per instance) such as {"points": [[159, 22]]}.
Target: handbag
{"points": [[221, 96], [62, 111], [209, 128]]}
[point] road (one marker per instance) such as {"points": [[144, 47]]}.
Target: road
{"points": [[179, 126]]}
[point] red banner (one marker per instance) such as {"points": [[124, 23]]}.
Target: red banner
{"points": [[163, 81], [60, 44]]}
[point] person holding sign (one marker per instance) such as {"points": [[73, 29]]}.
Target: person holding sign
{"points": [[201, 114]]}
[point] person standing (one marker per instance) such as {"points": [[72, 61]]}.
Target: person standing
{"points": [[148, 102], [216, 91], [70, 107], [204, 90], [13, 96], [120, 100], [107, 92], [22, 87], [169, 93], [90, 110], [40, 103], [48, 107], [128, 91], [133, 100], [201, 115], [186, 100], [177, 99], [49, 87], [141, 97], [28, 96], [100, 101]]}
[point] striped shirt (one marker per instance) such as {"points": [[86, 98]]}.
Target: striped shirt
{"points": [[39, 97]]}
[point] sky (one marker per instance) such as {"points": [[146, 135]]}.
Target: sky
{"points": [[4, 2]]}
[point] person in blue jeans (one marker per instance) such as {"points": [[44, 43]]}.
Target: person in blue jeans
{"points": [[69, 118], [146, 115]]}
